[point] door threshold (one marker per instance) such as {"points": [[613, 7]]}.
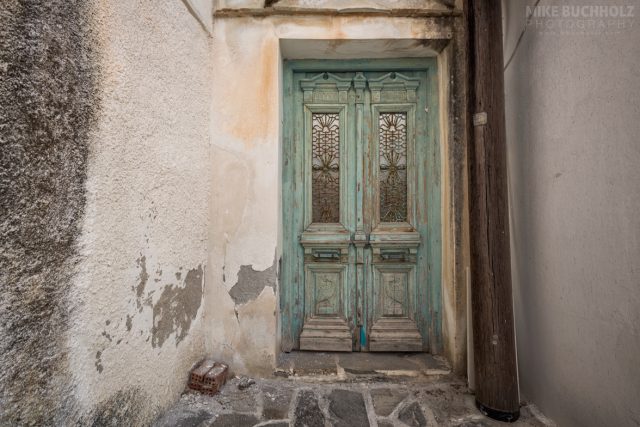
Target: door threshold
{"points": [[332, 366]]}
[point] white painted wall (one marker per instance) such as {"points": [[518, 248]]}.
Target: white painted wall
{"points": [[574, 157], [137, 325]]}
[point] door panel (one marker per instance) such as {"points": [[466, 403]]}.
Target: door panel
{"points": [[325, 325], [328, 283], [356, 244], [394, 240]]}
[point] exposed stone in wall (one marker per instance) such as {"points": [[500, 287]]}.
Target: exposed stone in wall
{"points": [[48, 104]]}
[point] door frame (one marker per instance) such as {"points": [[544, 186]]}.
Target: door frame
{"points": [[291, 287]]}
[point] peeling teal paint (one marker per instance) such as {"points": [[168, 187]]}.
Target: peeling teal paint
{"points": [[428, 283]]}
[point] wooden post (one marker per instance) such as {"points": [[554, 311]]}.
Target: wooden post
{"points": [[492, 305]]}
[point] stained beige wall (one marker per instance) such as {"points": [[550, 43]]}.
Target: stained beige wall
{"points": [[574, 175], [241, 297], [137, 327]]}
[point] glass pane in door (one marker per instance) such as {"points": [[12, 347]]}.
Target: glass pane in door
{"points": [[325, 187], [393, 166]]}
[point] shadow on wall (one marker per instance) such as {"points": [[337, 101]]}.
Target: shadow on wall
{"points": [[48, 106]]}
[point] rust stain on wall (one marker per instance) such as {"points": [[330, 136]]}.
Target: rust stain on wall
{"points": [[259, 116]]}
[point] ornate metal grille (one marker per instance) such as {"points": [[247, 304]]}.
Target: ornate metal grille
{"points": [[393, 167], [325, 187]]}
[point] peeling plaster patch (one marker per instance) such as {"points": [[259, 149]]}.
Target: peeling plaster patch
{"points": [[99, 366], [144, 276], [251, 283], [176, 308]]}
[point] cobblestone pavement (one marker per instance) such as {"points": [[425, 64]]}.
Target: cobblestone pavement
{"points": [[339, 399]]}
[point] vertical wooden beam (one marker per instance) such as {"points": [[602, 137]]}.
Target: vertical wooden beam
{"points": [[492, 305]]}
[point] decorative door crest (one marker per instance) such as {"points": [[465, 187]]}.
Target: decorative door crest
{"points": [[394, 87], [325, 87]]}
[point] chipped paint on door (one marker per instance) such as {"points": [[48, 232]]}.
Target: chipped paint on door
{"points": [[361, 205]]}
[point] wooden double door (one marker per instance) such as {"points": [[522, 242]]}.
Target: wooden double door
{"points": [[358, 191]]}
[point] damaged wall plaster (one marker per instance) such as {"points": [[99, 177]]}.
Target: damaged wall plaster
{"points": [[125, 197], [138, 328], [104, 123], [176, 309], [251, 283], [240, 304]]}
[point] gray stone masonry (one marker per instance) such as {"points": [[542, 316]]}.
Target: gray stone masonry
{"points": [[416, 391]]}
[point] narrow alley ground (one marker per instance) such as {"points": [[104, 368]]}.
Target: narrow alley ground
{"points": [[349, 390]]}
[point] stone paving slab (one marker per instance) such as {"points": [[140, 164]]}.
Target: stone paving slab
{"points": [[390, 362], [412, 415], [360, 364], [385, 400], [307, 411], [276, 401], [308, 363], [427, 401], [347, 408]]}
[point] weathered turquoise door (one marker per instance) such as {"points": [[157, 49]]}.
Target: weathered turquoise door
{"points": [[361, 207]]}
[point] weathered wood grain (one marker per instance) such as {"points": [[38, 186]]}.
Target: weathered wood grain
{"points": [[492, 307], [362, 247]]}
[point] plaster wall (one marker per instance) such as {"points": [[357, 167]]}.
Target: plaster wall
{"points": [[247, 54], [141, 217], [137, 327], [572, 121], [104, 125], [48, 108]]}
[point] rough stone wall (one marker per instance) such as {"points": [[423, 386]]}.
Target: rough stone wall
{"points": [[572, 120], [104, 132], [49, 101]]}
